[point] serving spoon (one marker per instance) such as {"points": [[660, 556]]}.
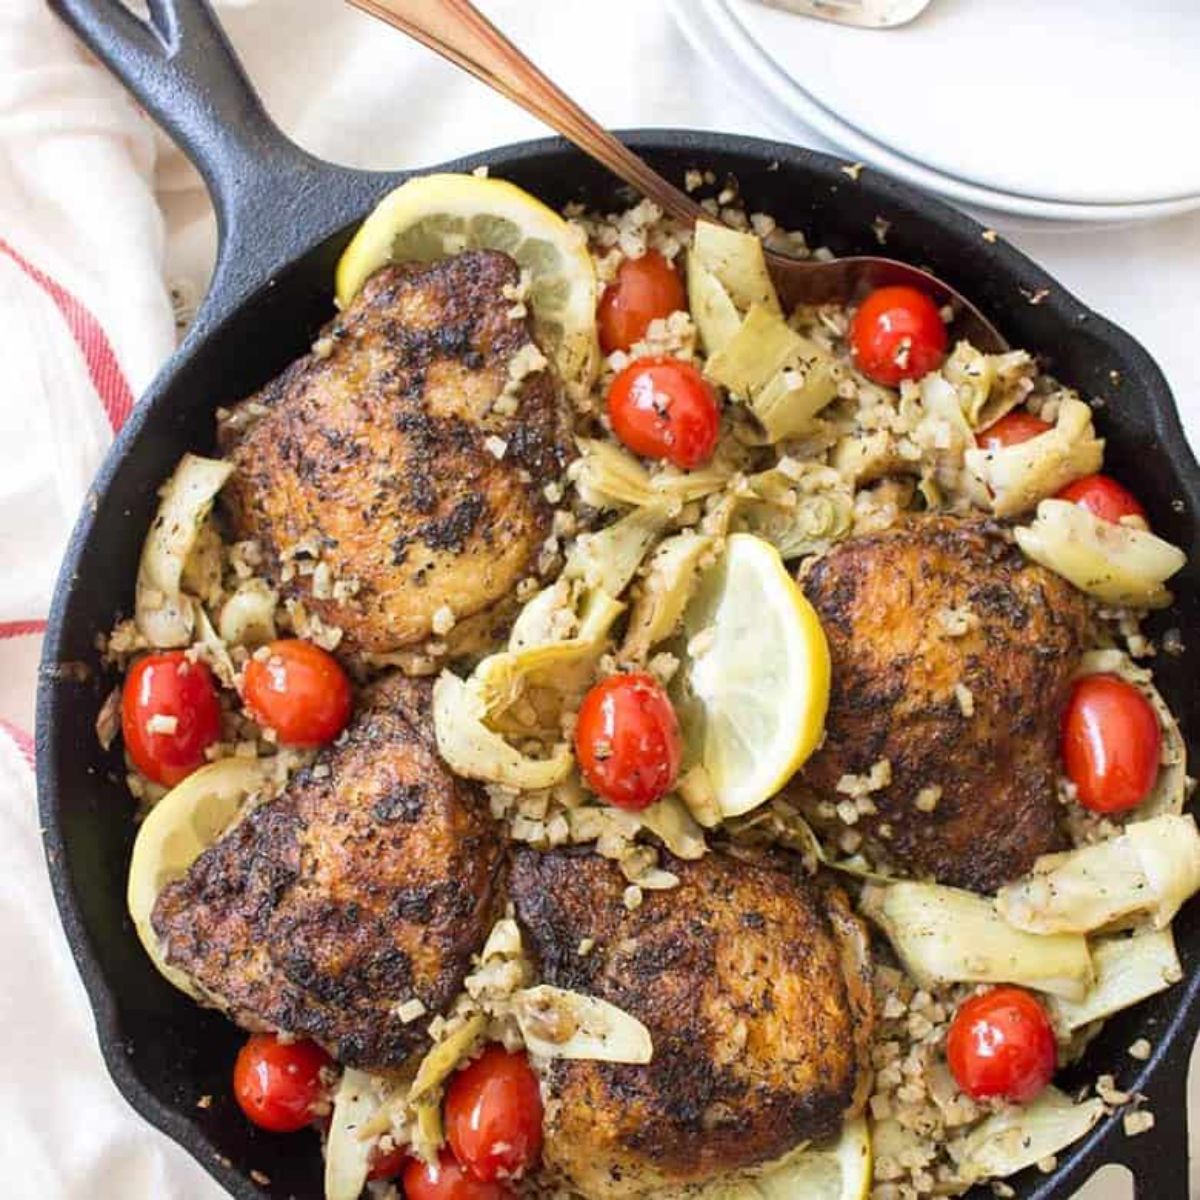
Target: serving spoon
{"points": [[861, 14], [458, 31]]}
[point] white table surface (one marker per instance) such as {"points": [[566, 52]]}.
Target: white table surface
{"points": [[348, 90]]}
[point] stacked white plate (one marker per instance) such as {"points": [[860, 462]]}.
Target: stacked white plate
{"points": [[1078, 112]]}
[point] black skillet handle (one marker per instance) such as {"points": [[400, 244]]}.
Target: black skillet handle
{"points": [[273, 200]]}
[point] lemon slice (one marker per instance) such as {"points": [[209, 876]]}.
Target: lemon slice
{"points": [[433, 216], [176, 831], [753, 695], [840, 1172]]}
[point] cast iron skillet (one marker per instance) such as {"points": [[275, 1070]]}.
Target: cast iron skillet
{"points": [[284, 217]]}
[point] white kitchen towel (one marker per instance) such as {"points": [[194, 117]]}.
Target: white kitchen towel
{"points": [[89, 274]]}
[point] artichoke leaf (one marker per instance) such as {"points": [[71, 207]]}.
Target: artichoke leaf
{"points": [[1152, 868], [556, 1023], [738, 263], [716, 316], [1128, 971], [524, 691], [474, 751], [606, 477], [1118, 564], [671, 822], [1019, 1136], [988, 385], [945, 935], [609, 558], [670, 578], [163, 614], [800, 508], [247, 618], [1018, 476], [784, 377], [348, 1156], [443, 1057]]}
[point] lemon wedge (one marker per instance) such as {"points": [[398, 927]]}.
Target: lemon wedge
{"points": [[433, 216], [839, 1172], [754, 690], [176, 831], [842, 1171]]}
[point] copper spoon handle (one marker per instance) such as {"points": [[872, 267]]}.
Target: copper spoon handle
{"points": [[457, 30]]}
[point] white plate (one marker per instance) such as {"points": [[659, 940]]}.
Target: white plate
{"points": [[714, 31], [1080, 103]]}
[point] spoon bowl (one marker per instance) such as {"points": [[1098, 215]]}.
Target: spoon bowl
{"points": [[861, 14]]}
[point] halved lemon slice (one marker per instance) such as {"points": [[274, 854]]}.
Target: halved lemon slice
{"points": [[754, 690], [433, 216], [176, 831], [839, 1172]]}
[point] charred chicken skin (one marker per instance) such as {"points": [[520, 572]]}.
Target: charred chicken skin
{"points": [[409, 451], [369, 881], [952, 657], [752, 982]]}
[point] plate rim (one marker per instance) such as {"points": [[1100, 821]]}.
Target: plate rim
{"points": [[753, 39], [705, 22]]}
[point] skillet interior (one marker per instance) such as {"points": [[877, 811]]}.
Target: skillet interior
{"points": [[164, 1052]]}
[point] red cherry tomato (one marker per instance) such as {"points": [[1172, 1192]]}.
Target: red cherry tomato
{"points": [[161, 689], [298, 690], [1103, 497], [278, 1083], [1012, 429], [388, 1164], [663, 407], [897, 333], [627, 740], [448, 1180], [1111, 743], [494, 1115], [645, 288], [1001, 1043]]}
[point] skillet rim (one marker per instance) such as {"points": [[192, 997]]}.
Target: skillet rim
{"points": [[1008, 260]]}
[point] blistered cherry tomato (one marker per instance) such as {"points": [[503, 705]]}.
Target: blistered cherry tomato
{"points": [[1103, 497], [645, 288], [169, 715], [662, 407], [1111, 743], [1012, 429], [447, 1179], [897, 333], [298, 690], [494, 1115], [627, 740], [278, 1083], [388, 1164], [1001, 1043]]}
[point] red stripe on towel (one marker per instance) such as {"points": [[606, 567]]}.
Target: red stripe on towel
{"points": [[23, 741], [15, 629], [107, 377]]}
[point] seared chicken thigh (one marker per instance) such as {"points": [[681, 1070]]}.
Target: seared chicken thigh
{"points": [[409, 451], [752, 982], [370, 881], [952, 657]]}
